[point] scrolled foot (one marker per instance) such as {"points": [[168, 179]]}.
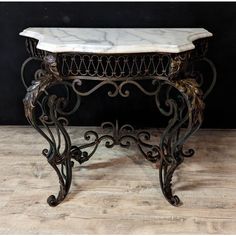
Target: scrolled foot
{"points": [[167, 169], [52, 201], [174, 201]]}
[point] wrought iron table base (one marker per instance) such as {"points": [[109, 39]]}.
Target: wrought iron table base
{"points": [[175, 87]]}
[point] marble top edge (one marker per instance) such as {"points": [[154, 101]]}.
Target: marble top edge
{"points": [[116, 40]]}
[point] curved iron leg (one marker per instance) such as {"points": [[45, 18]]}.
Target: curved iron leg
{"points": [[46, 113], [58, 155], [50, 110], [185, 106]]}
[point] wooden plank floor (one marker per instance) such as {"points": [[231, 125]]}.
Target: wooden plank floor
{"points": [[117, 191]]}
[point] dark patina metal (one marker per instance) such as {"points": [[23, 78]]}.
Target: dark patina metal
{"points": [[175, 88]]}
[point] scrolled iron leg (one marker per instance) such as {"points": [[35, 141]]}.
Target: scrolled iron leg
{"points": [[58, 155], [57, 158], [46, 112], [184, 104]]}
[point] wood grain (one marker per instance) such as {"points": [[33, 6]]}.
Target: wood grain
{"points": [[117, 191]]}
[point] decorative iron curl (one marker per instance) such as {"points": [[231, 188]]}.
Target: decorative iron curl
{"points": [[199, 75], [122, 136], [149, 151], [38, 73], [214, 75], [82, 156], [118, 87]]}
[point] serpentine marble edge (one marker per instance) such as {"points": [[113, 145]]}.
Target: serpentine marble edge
{"points": [[116, 40]]}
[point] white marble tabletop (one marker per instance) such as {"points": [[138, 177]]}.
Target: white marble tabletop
{"points": [[116, 40]]}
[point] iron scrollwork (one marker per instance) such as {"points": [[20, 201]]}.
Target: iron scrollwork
{"points": [[123, 136], [184, 104], [51, 111], [175, 88]]}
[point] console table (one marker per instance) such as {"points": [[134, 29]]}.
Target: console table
{"points": [[75, 62]]}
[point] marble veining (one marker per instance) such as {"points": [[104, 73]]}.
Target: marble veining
{"points": [[116, 40]]}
